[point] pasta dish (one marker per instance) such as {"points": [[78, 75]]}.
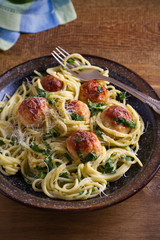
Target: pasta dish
{"points": [[68, 138]]}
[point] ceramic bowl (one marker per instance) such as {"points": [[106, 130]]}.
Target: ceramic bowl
{"points": [[135, 179]]}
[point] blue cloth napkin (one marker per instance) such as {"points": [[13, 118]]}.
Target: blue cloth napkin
{"points": [[31, 16]]}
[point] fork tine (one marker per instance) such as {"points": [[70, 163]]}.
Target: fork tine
{"points": [[62, 59], [56, 56], [65, 54], [62, 51]]}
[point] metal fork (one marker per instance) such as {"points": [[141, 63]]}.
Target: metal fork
{"points": [[93, 74]]}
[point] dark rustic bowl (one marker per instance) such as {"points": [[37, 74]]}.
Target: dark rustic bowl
{"points": [[135, 179]]}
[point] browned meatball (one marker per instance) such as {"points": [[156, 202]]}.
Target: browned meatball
{"points": [[78, 107], [83, 142], [93, 91], [113, 113], [51, 84], [32, 111]]}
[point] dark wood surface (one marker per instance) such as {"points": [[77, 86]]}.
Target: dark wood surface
{"points": [[124, 31]]}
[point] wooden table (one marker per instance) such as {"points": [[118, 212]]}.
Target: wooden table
{"points": [[124, 31]]}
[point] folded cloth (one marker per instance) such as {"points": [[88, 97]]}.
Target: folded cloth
{"points": [[30, 17]]}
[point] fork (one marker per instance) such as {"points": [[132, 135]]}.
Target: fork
{"points": [[92, 74]]}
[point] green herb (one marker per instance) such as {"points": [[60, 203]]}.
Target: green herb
{"points": [[95, 108], [36, 148], [77, 117], [126, 158], [41, 175], [79, 179], [40, 168], [81, 69], [79, 154], [109, 167], [87, 191], [42, 93], [58, 164], [70, 61], [39, 186], [28, 180], [125, 122], [66, 155], [51, 101], [100, 89], [98, 132], [1, 109], [122, 95], [90, 157], [8, 104], [78, 139], [20, 93], [49, 162], [52, 133], [1, 142], [64, 175], [47, 145]]}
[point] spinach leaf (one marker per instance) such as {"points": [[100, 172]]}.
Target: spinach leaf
{"points": [[109, 167], [52, 133], [126, 158], [36, 148], [122, 95], [70, 61], [41, 175], [49, 162], [99, 133], [95, 108], [64, 175], [79, 154], [77, 117], [78, 139], [66, 155], [42, 93], [90, 157], [125, 122], [100, 89]]}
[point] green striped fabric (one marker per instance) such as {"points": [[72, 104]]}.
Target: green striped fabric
{"points": [[30, 17]]}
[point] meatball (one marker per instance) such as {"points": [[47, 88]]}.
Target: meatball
{"points": [[51, 84], [113, 113], [78, 107], [82, 143], [93, 91], [32, 111]]}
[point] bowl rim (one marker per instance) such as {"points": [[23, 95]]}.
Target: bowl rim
{"points": [[10, 191]]}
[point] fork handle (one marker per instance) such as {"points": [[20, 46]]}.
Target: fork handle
{"points": [[153, 103]]}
